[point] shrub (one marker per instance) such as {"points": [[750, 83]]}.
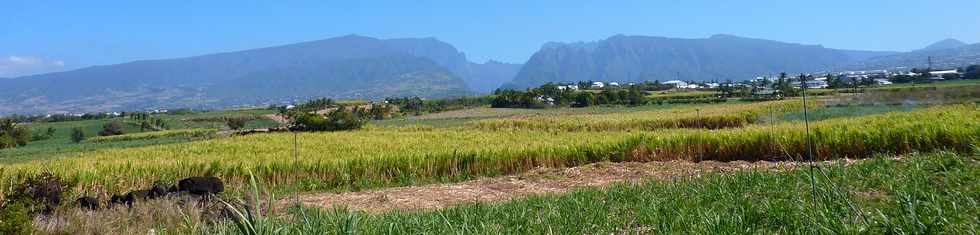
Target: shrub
{"points": [[13, 135], [337, 120], [189, 133], [39, 191], [15, 218], [111, 128], [236, 123], [48, 133], [77, 135]]}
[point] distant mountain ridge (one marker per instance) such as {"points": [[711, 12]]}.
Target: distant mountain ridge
{"points": [[948, 43], [942, 55], [646, 58], [719, 57], [343, 67]]}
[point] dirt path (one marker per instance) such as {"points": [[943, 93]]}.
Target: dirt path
{"points": [[537, 182]]}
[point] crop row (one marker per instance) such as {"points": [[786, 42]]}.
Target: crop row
{"points": [[371, 158], [197, 132], [706, 116]]}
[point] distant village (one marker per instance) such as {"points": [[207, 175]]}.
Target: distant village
{"points": [[824, 80]]}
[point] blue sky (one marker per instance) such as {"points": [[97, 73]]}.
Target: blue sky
{"points": [[39, 36]]}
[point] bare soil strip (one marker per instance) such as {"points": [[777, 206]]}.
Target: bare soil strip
{"points": [[537, 182]]}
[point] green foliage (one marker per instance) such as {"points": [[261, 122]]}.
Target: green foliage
{"points": [[416, 105], [236, 123], [13, 135], [549, 95], [188, 133], [16, 219], [920, 194], [971, 72], [337, 120], [111, 128], [47, 134], [77, 134]]}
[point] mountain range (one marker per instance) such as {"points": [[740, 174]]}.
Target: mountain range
{"points": [[718, 58], [349, 67], [358, 67]]}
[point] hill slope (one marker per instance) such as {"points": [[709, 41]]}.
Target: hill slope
{"points": [[942, 58], [643, 58], [342, 67], [948, 43]]}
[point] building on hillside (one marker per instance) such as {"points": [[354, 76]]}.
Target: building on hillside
{"points": [[882, 82], [598, 85], [613, 84]]}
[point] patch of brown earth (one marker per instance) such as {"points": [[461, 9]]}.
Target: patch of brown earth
{"points": [[536, 182], [276, 117]]}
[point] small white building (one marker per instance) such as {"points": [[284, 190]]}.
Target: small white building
{"points": [[938, 75], [613, 84], [676, 83], [690, 86], [598, 85], [812, 84], [883, 82], [568, 87]]}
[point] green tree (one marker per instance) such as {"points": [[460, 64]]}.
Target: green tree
{"points": [[13, 135], [111, 128], [77, 135], [971, 72], [236, 123]]}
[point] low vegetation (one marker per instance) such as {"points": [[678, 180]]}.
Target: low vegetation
{"points": [[709, 117], [879, 196], [190, 133], [371, 158]]}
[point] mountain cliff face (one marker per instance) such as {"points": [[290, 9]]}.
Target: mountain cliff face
{"points": [[643, 58], [342, 67]]}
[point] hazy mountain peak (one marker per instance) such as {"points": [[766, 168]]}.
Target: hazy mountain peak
{"points": [[944, 44], [723, 36]]}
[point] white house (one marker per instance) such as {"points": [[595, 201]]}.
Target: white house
{"points": [[938, 75], [598, 85], [568, 87], [813, 84], [676, 83], [883, 82], [613, 84]]}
